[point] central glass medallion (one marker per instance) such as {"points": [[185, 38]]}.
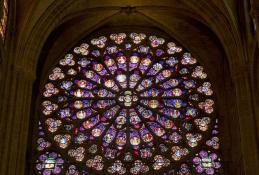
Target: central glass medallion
{"points": [[127, 98]]}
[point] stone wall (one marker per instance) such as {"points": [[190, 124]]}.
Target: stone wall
{"points": [[42, 31]]}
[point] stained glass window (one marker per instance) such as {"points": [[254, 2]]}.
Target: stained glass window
{"points": [[128, 103], [4, 15]]}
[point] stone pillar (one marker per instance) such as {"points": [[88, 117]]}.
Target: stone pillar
{"points": [[15, 113], [247, 123]]}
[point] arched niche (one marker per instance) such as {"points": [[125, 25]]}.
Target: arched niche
{"points": [[196, 37]]}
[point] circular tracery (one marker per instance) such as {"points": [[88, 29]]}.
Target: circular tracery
{"points": [[127, 98], [128, 104]]}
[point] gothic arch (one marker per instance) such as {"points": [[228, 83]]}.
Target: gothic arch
{"points": [[44, 18], [52, 56]]}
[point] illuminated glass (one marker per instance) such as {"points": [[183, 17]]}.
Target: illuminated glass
{"points": [[128, 104], [4, 17]]}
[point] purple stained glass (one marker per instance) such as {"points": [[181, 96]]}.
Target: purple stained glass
{"points": [[120, 101], [49, 163]]}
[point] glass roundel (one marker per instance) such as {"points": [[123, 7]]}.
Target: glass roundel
{"points": [[126, 104]]}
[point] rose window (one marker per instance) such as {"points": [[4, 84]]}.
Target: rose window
{"points": [[127, 104]]}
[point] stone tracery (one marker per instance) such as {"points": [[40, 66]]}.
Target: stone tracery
{"points": [[129, 103]]}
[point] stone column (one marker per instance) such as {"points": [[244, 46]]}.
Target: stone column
{"points": [[14, 121], [247, 123]]}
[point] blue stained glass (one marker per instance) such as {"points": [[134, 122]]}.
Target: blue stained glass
{"points": [[127, 104]]}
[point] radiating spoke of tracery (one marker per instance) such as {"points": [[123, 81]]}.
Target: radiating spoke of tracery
{"points": [[128, 104]]}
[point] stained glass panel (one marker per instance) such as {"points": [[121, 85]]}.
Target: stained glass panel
{"points": [[128, 104], [4, 16]]}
